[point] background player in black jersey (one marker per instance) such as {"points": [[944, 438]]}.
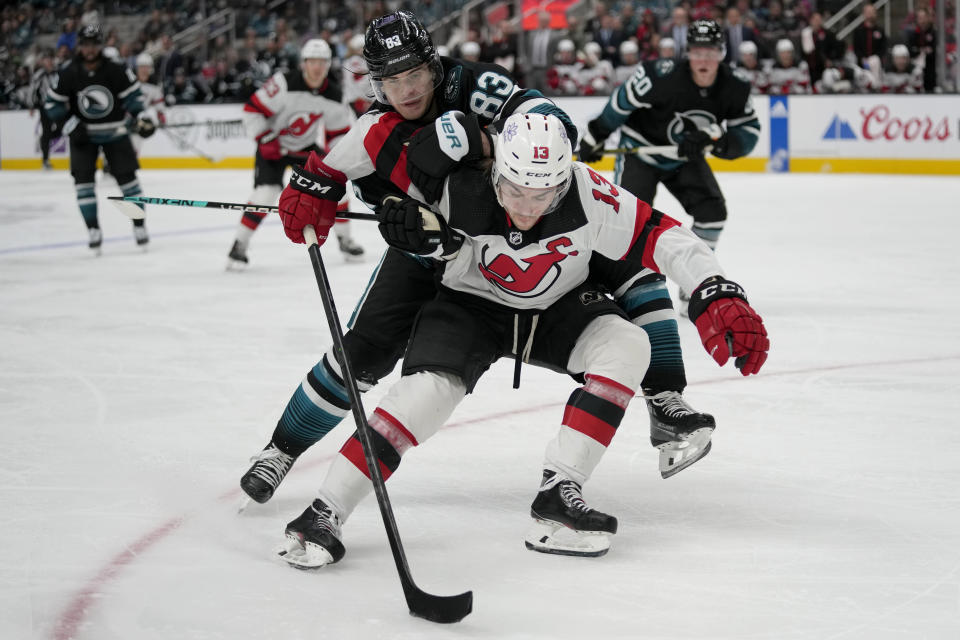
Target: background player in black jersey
{"points": [[96, 99], [413, 86], [684, 103], [292, 114]]}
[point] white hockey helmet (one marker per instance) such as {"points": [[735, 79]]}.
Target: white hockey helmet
{"points": [[315, 48], [566, 45], [784, 45], [355, 43], [900, 51], [145, 60], [667, 43], [470, 49], [629, 47], [111, 52], [748, 48], [533, 151]]}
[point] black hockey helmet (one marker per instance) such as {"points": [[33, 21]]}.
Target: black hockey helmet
{"points": [[395, 43], [705, 33], [90, 33]]}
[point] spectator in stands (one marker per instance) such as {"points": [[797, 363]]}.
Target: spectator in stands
{"points": [[676, 30], [922, 41], [501, 48], [183, 90], [779, 24], [737, 33], [820, 47], [262, 23], [541, 45], [594, 23], [869, 40], [649, 27], [68, 36], [90, 14], [609, 36]]}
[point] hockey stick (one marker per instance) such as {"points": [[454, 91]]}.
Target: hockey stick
{"points": [[128, 205], [179, 125], [666, 150], [420, 603], [189, 145]]}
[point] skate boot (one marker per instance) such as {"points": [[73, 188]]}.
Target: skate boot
{"points": [[237, 258], [96, 240], [680, 432], [313, 539], [140, 235], [47, 166], [564, 524], [352, 252], [269, 468]]}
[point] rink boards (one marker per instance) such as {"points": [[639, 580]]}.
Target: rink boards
{"points": [[845, 134]]}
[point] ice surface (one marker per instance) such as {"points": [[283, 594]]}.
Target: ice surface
{"points": [[133, 388]]}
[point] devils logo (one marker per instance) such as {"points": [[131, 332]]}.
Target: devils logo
{"points": [[530, 279]]}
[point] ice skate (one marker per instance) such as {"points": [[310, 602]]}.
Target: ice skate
{"points": [[564, 524], [237, 259], [140, 235], [269, 468], [352, 252], [313, 539], [96, 241], [47, 166], [679, 431]]}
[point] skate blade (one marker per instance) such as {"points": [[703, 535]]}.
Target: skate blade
{"points": [[677, 455], [303, 556], [550, 537], [236, 265]]}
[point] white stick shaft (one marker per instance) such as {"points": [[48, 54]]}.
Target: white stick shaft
{"points": [[310, 235]]}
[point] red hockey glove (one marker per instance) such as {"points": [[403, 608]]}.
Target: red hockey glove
{"points": [[728, 325], [311, 198], [270, 150]]}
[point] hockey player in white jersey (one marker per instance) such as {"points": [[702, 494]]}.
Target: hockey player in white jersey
{"points": [[788, 74], [902, 75], [291, 115], [629, 59], [152, 95], [514, 243]]}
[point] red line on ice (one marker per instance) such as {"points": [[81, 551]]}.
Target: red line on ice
{"points": [[69, 622]]}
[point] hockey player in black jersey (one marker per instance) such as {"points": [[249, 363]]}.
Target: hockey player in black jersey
{"points": [[414, 86], [97, 100], [514, 244], [686, 103]]}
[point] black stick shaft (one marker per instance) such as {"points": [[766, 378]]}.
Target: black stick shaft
{"points": [[230, 206], [420, 603]]}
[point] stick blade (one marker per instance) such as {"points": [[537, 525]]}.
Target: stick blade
{"points": [[128, 209], [442, 609]]}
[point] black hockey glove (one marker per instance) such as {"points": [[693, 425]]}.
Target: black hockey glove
{"points": [[693, 143], [408, 225], [435, 150], [591, 145], [145, 127]]}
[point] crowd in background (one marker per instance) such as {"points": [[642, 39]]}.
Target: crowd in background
{"points": [[589, 57]]}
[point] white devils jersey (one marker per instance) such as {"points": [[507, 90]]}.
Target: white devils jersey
{"points": [[153, 102], [533, 269], [287, 108], [792, 79], [622, 73], [910, 80]]}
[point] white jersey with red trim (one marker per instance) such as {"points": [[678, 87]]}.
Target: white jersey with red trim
{"points": [[784, 79], [532, 269], [153, 102], [287, 108], [355, 78]]}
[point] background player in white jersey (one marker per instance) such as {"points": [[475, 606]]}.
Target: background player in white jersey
{"points": [[152, 95], [356, 85], [902, 75], [629, 58], [514, 243], [788, 74], [748, 67], [595, 76], [683, 103], [291, 115]]}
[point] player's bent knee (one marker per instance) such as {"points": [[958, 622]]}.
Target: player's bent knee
{"points": [[613, 348], [404, 404]]}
